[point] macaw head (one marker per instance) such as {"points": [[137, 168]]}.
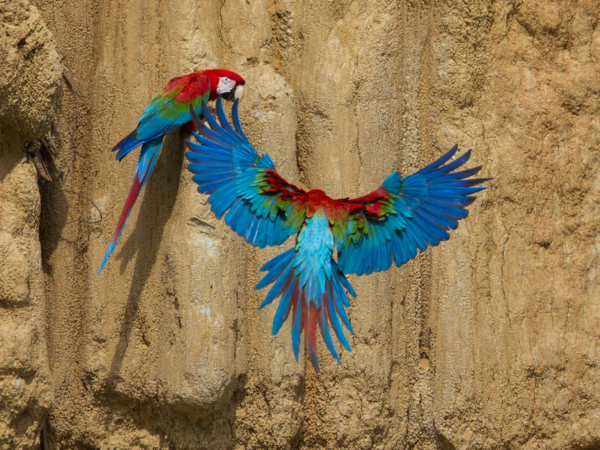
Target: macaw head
{"points": [[226, 83]]}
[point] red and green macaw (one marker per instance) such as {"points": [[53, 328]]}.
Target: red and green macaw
{"points": [[166, 112], [369, 233]]}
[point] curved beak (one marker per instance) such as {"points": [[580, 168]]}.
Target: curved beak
{"points": [[235, 94], [238, 92]]}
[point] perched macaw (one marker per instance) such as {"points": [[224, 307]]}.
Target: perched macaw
{"points": [[369, 233], [166, 112]]}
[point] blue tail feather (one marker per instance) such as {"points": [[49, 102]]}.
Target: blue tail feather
{"points": [[126, 145], [327, 310], [148, 155]]}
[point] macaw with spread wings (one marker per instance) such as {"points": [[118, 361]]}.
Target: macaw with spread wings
{"points": [[369, 233]]}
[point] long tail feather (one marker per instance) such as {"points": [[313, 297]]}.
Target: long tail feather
{"points": [[145, 166], [310, 332], [307, 313]]}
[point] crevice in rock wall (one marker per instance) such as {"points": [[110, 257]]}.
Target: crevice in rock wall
{"points": [[65, 240], [594, 446], [29, 78]]}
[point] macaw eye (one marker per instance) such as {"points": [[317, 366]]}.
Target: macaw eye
{"points": [[225, 85]]}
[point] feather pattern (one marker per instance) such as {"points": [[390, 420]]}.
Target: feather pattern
{"points": [[309, 283], [166, 112], [243, 186], [145, 166], [406, 215], [391, 224], [264, 209]]}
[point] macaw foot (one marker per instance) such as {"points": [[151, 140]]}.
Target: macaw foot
{"points": [[185, 132]]}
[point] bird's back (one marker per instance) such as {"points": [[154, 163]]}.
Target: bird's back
{"points": [[169, 109], [313, 259]]}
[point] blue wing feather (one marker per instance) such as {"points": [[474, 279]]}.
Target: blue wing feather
{"points": [[423, 206], [226, 166]]}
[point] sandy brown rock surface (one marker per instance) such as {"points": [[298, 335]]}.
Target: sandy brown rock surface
{"points": [[29, 81], [489, 341]]}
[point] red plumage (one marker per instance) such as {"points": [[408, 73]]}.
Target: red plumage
{"points": [[163, 115], [197, 83], [315, 199], [310, 331]]}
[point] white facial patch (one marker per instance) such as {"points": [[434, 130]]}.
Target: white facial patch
{"points": [[225, 85]]}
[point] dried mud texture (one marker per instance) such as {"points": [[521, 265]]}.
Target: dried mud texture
{"points": [[29, 79], [488, 341], [30, 72], [25, 391]]}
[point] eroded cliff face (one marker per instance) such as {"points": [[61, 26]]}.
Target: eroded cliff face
{"points": [[29, 80], [488, 341]]}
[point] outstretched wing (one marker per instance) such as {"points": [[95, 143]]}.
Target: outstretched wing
{"points": [[261, 206], [404, 215]]}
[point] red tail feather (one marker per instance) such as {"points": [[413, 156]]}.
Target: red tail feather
{"points": [[131, 198], [310, 332]]}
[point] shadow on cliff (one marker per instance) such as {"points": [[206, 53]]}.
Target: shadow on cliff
{"points": [[12, 156], [55, 215], [443, 443], [144, 242]]}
